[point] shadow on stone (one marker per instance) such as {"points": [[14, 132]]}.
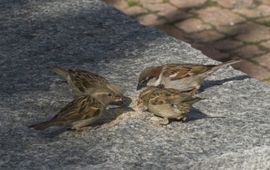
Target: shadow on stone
{"points": [[79, 38], [112, 114], [53, 132], [210, 83], [196, 114]]}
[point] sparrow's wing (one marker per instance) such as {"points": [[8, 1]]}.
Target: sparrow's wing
{"points": [[84, 80], [172, 96], [186, 105], [81, 108], [148, 91], [179, 71], [183, 107], [157, 100], [191, 100], [183, 104], [81, 80], [165, 99]]}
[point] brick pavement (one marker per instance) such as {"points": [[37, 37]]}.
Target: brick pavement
{"points": [[221, 29]]}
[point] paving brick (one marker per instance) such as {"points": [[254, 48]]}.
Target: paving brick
{"points": [[135, 10], [236, 3], [119, 4], [227, 44], [151, 20], [229, 30], [253, 32], [192, 25], [211, 52], [260, 11], [266, 44], [264, 60], [266, 2], [175, 15], [168, 11], [245, 4], [264, 10], [252, 69], [219, 17], [226, 3], [173, 31], [249, 32], [264, 21], [249, 51], [249, 13], [206, 36], [238, 29], [157, 7], [187, 3], [143, 2]]}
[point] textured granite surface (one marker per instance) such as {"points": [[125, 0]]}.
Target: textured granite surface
{"points": [[88, 34]]}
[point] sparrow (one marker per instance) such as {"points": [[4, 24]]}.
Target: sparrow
{"points": [[84, 82], [183, 77], [167, 103], [82, 111]]}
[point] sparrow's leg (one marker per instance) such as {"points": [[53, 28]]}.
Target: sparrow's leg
{"points": [[164, 121], [183, 119]]}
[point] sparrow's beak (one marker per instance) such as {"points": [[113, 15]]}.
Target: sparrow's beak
{"points": [[118, 101], [139, 86]]}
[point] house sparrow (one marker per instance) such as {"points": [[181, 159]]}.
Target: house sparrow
{"points": [[166, 103], [82, 111], [183, 77], [83, 82]]}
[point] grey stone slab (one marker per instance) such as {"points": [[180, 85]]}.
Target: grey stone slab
{"points": [[90, 35]]}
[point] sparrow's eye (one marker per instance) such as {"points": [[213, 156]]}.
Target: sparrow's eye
{"points": [[110, 94], [173, 105]]}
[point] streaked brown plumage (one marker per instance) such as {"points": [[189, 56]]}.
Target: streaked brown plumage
{"points": [[166, 103], [183, 77], [82, 111], [83, 82]]}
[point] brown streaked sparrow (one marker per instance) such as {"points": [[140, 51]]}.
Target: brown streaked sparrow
{"points": [[183, 77], [82, 111], [166, 103], [84, 82]]}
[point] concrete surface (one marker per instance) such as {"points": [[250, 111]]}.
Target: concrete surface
{"points": [[90, 35]]}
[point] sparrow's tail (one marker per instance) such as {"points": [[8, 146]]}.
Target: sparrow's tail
{"points": [[61, 71], [43, 125], [227, 63]]}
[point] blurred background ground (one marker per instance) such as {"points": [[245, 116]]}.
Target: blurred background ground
{"points": [[221, 29]]}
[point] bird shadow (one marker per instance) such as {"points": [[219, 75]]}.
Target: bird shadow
{"points": [[196, 114], [112, 114], [210, 83], [53, 132]]}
